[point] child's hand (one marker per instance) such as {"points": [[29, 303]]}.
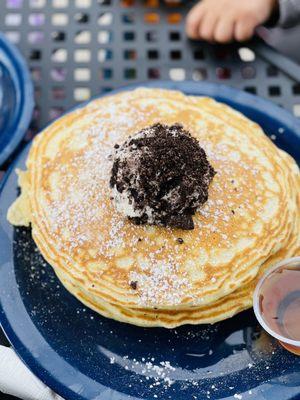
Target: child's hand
{"points": [[226, 20]]}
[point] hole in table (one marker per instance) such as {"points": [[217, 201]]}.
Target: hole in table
{"points": [[59, 55], [58, 74], [129, 36], [82, 74], [250, 89], [151, 36], [58, 93], [60, 3], [222, 53], [175, 55], [174, 18], [14, 3], [296, 110], [82, 55], [13, 36], [106, 73], [199, 74], [172, 3], [248, 72], [36, 19], [81, 18], [177, 74], [105, 37], [130, 73], [31, 132], [296, 89], [152, 18], [37, 3], [83, 37], [37, 92], [60, 19], [82, 94], [36, 37], [36, 113], [272, 71], [105, 55], [55, 112], [35, 119], [199, 54], [13, 19], [274, 91], [105, 18], [127, 3], [174, 36], [153, 73], [83, 3], [104, 2], [153, 54], [128, 18], [35, 55], [106, 89], [130, 54], [223, 73], [58, 36], [152, 3], [36, 73], [246, 54]]}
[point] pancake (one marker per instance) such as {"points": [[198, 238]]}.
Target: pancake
{"points": [[224, 308], [248, 220]]}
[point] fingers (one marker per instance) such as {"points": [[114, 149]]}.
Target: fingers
{"points": [[244, 30], [221, 21], [206, 30], [204, 24], [224, 30], [193, 21]]}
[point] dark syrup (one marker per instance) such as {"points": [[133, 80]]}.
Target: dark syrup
{"points": [[280, 304]]}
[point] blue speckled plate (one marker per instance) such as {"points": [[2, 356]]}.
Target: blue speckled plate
{"points": [[84, 356], [16, 98]]}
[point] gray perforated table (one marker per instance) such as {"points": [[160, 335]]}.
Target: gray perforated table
{"points": [[80, 48]]}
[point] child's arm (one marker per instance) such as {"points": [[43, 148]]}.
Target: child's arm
{"points": [[289, 13], [226, 20]]}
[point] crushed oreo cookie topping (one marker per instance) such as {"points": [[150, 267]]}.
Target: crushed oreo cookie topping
{"points": [[160, 176]]}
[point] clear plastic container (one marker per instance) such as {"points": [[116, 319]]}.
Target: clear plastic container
{"points": [[276, 303]]}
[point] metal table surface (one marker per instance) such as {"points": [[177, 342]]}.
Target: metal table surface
{"points": [[80, 48]]}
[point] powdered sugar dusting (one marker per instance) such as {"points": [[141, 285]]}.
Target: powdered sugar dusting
{"points": [[161, 282], [80, 202]]}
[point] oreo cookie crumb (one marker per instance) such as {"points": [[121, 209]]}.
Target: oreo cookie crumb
{"points": [[161, 176], [133, 285], [180, 240]]}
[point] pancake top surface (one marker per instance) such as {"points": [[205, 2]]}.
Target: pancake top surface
{"points": [[79, 230]]}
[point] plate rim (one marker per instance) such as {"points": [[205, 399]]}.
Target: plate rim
{"points": [[27, 101]]}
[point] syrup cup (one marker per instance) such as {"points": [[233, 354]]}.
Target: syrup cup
{"points": [[290, 344]]}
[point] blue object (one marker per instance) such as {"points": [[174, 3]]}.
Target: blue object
{"points": [[16, 98], [83, 356]]}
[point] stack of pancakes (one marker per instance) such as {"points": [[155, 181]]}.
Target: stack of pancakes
{"points": [[149, 275]]}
